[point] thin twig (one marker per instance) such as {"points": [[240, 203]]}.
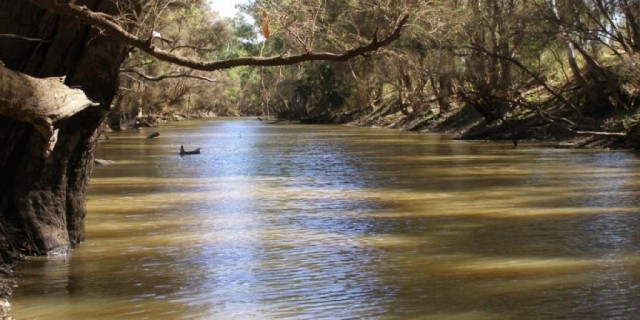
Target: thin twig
{"points": [[23, 38]]}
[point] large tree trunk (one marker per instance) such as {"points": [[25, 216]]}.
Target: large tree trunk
{"points": [[42, 196]]}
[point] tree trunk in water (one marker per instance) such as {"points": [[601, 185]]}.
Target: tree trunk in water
{"points": [[42, 198]]}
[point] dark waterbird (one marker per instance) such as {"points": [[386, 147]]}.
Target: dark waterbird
{"points": [[184, 153]]}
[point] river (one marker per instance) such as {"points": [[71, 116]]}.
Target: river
{"points": [[331, 222]]}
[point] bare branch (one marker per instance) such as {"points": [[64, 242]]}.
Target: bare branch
{"points": [[113, 29], [603, 133], [194, 48], [527, 71], [171, 75], [566, 123], [22, 38]]}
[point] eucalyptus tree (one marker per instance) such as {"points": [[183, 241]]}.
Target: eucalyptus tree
{"points": [[559, 63], [150, 86], [598, 35], [46, 156], [394, 80]]}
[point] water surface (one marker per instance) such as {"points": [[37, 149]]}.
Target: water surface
{"points": [[319, 222]]}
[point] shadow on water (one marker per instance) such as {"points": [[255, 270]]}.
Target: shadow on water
{"points": [[312, 222]]}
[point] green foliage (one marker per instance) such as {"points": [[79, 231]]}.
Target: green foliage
{"points": [[502, 58]]}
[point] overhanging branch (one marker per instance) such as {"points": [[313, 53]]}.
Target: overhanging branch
{"points": [[172, 75], [113, 29]]}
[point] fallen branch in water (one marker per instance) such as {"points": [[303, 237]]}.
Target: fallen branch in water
{"points": [[603, 133]]}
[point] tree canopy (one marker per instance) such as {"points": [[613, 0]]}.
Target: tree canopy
{"points": [[527, 64]]}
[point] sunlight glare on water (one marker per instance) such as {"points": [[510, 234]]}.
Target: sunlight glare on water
{"points": [[316, 222]]}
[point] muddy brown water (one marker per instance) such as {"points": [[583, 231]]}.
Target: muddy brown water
{"points": [[327, 222]]}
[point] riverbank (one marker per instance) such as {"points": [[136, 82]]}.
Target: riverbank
{"points": [[6, 291], [154, 120], [467, 124], [8, 260]]}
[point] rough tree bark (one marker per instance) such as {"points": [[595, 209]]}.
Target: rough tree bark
{"points": [[42, 194], [40, 102]]}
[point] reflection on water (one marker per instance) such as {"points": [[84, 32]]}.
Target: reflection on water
{"points": [[313, 222]]}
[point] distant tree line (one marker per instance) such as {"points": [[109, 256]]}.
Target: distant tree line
{"points": [[571, 64]]}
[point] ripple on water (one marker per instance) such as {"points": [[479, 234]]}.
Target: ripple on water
{"points": [[314, 222]]}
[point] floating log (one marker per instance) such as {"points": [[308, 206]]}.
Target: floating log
{"points": [[184, 153]]}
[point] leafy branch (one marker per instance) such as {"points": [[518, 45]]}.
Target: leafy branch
{"points": [[113, 29]]}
